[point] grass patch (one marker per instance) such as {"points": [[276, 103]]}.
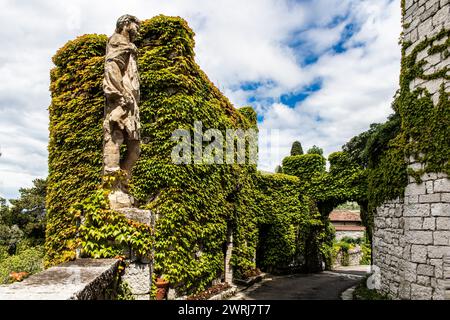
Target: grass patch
{"points": [[363, 293]]}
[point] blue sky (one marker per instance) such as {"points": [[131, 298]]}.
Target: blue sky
{"points": [[317, 71]]}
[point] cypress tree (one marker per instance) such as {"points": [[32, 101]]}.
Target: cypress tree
{"points": [[296, 149]]}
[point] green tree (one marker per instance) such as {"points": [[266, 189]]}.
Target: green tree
{"points": [[296, 149], [278, 169], [28, 212], [356, 147], [369, 145], [5, 212], [315, 150]]}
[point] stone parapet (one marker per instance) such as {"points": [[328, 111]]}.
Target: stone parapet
{"points": [[81, 279]]}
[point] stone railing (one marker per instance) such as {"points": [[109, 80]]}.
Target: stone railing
{"points": [[81, 279]]}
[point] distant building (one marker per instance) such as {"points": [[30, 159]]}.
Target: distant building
{"points": [[347, 224]]}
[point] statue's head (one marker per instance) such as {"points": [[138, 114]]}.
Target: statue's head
{"points": [[130, 24]]}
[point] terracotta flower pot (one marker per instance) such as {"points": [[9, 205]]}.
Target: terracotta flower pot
{"points": [[162, 288]]}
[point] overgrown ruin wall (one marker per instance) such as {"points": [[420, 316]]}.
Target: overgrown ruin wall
{"points": [[411, 242]]}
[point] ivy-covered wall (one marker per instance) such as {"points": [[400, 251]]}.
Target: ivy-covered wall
{"points": [[408, 168], [344, 181], [292, 233], [196, 203], [418, 130], [76, 138]]}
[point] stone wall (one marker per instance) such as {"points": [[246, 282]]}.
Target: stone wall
{"points": [[411, 241]]}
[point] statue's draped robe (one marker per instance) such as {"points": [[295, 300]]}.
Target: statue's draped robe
{"points": [[121, 87]]}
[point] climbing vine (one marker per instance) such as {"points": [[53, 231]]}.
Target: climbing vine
{"points": [[418, 130], [105, 233], [292, 232]]}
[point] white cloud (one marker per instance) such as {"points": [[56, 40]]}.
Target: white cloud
{"points": [[357, 85], [236, 42]]}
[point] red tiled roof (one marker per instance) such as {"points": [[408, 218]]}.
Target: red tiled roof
{"points": [[349, 228], [345, 215]]}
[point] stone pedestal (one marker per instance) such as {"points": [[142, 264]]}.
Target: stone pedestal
{"points": [[139, 269]]}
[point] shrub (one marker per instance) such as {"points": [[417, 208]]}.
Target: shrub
{"points": [[304, 166], [29, 260]]}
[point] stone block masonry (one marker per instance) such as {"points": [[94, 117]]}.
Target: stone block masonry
{"points": [[411, 240], [413, 253]]}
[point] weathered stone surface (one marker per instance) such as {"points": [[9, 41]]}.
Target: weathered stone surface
{"points": [[429, 224], [137, 276], [414, 189], [416, 210], [420, 237], [138, 215], [419, 292], [408, 4], [438, 268], [441, 238], [425, 270], [445, 197], [425, 28], [423, 280], [404, 291], [429, 187], [440, 209], [442, 185], [431, 3], [419, 253], [443, 223], [437, 251], [442, 15], [82, 279], [430, 198], [413, 223]]}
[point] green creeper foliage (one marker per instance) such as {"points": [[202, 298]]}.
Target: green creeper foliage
{"points": [[345, 181], [105, 233], [418, 130], [196, 203], [250, 114], [425, 127], [296, 149], [76, 138], [304, 166], [292, 232], [28, 259]]}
